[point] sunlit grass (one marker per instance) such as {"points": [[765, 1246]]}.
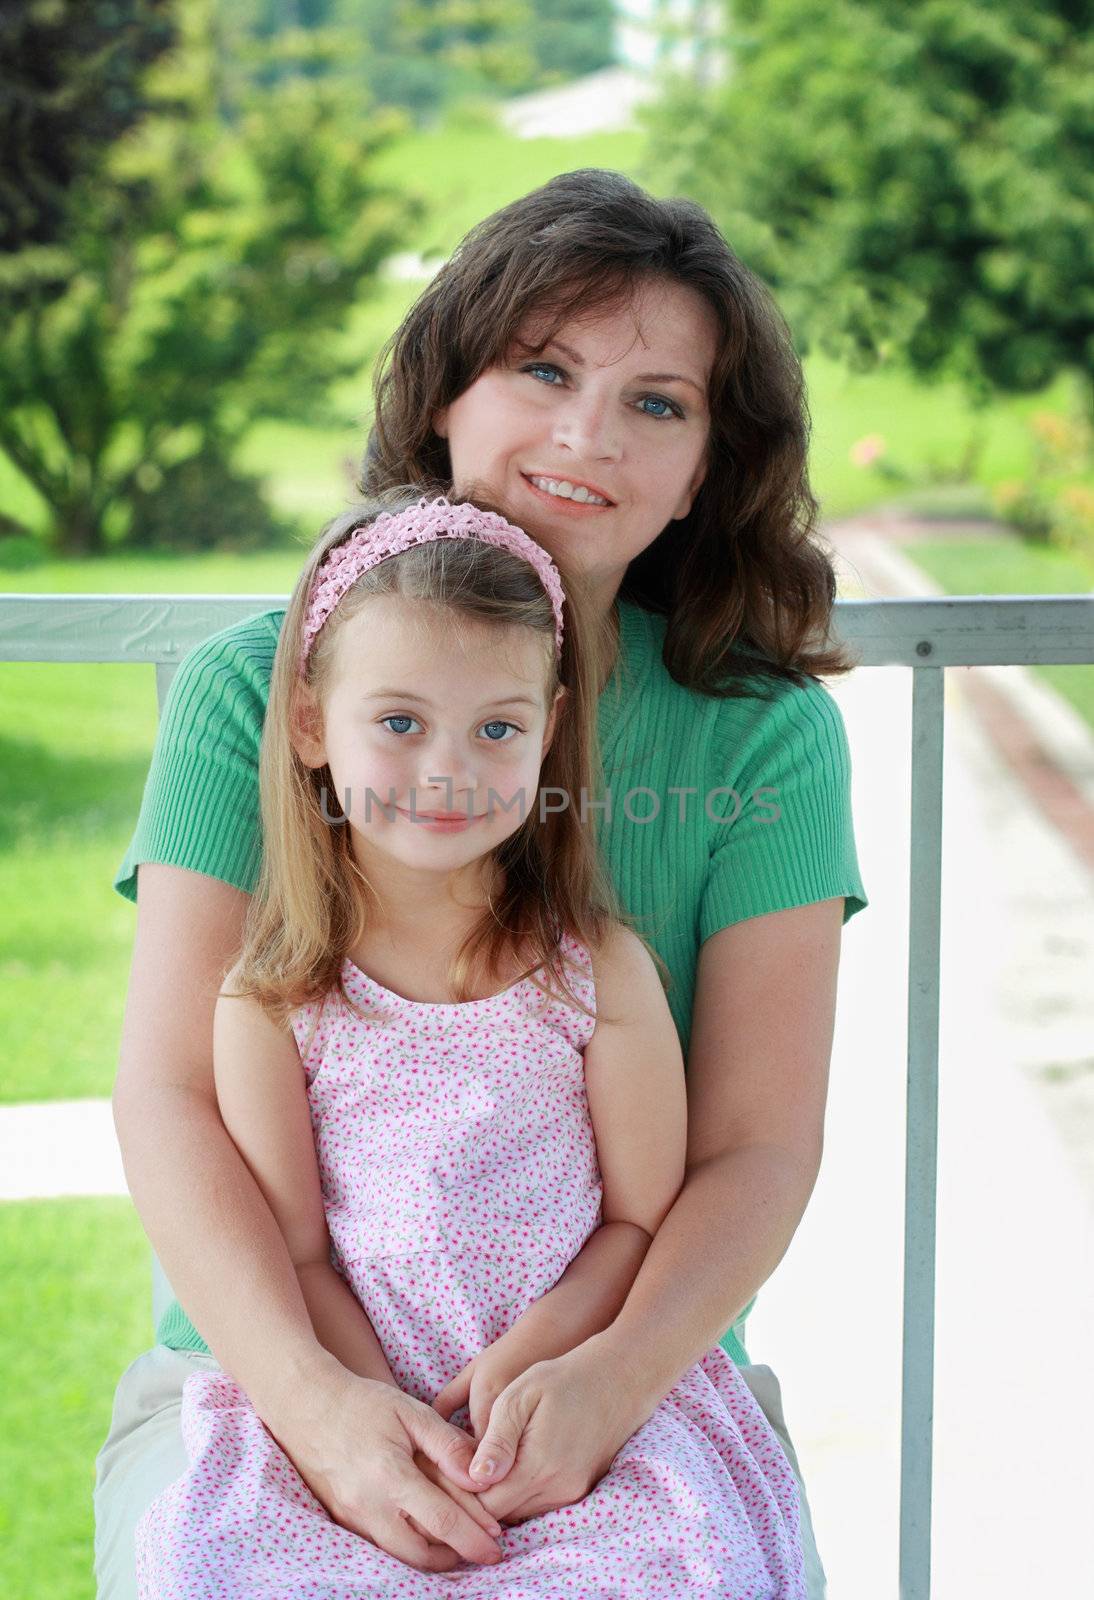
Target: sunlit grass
{"points": [[76, 1313]]}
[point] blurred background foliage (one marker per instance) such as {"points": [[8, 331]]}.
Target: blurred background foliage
{"points": [[927, 189], [204, 205], [196, 280], [423, 55]]}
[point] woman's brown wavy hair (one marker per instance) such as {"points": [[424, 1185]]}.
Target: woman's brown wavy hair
{"points": [[743, 580], [312, 902]]}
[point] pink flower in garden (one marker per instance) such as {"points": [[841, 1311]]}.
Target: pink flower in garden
{"points": [[864, 452]]}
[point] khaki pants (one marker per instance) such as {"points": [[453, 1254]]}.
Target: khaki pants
{"points": [[144, 1452]]}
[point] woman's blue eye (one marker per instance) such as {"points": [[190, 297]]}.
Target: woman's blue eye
{"points": [[397, 719], [671, 408], [501, 725]]}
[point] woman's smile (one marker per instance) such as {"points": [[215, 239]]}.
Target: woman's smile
{"points": [[566, 503]]}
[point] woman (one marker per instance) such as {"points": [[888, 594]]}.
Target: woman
{"points": [[601, 366]]}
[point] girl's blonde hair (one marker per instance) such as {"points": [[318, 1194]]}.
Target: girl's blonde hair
{"points": [[310, 906]]}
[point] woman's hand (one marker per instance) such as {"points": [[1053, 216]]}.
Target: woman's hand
{"points": [[555, 1430], [470, 1502], [387, 1467]]}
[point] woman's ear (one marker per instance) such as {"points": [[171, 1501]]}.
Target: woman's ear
{"points": [[440, 423], [306, 728]]}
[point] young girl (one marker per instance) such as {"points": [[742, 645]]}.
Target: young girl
{"points": [[455, 1077]]}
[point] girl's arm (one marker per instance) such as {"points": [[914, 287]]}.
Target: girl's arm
{"points": [[260, 1087], [201, 1208], [634, 1079]]}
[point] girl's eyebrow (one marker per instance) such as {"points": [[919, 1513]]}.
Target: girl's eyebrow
{"points": [[642, 377], [405, 694]]}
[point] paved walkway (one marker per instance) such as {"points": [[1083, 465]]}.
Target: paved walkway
{"points": [[67, 1147], [1015, 1403]]}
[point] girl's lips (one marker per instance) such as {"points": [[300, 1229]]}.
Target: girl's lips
{"points": [[454, 823], [575, 507]]}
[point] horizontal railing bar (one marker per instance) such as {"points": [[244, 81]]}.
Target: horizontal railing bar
{"points": [[970, 630], [119, 627], [958, 631]]}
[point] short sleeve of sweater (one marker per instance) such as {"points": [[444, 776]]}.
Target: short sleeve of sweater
{"points": [[200, 805], [784, 835]]}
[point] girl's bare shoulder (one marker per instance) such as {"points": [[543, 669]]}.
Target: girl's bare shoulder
{"points": [[624, 972]]}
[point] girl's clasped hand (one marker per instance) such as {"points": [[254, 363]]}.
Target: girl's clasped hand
{"points": [[549, 1433]]}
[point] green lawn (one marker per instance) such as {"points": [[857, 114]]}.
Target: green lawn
{"points": [[76, 1313], [463, 171], [1008, 565], [74, 746]]}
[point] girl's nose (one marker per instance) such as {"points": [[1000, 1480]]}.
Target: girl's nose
{"points": [[447, 777], [589, 426]]}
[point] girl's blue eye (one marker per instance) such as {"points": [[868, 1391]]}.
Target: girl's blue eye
{"points": [[673, 410], [403, 720], [542, 366]]}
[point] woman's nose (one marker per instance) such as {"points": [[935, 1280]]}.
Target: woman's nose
{"points": [[589, 426]]}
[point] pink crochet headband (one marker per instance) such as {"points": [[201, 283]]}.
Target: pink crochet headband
{"points": [[392, 532]]}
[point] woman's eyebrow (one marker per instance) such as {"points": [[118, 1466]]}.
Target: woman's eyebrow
{"points": [[642, 377]]}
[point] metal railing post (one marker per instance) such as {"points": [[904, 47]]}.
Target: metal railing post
{"points": [[921, 1150]]}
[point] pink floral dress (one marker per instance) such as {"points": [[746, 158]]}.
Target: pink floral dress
{"points": [[460, 1178]]}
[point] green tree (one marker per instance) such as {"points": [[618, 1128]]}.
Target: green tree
{"points": [[199, 280], [911, 179], [70, 84]]}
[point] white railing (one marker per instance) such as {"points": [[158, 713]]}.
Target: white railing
{"points": [[926, 635]]}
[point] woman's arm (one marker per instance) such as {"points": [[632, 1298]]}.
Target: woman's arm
{"points": [[761, 1045], [261, 1093], [757, 1086]]}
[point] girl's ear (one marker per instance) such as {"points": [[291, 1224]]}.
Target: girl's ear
{"points": [[440, 423], [306, 728], [561, 694]]}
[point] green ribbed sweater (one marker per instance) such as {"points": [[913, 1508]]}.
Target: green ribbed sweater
{"points": [[747, 804]]}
